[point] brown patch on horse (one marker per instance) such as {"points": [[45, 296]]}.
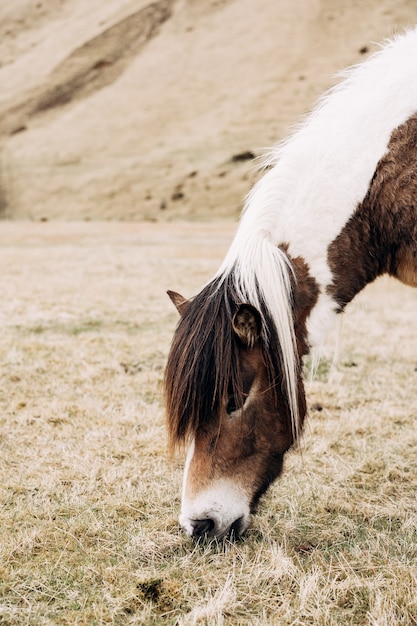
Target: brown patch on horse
{"points": [[251, 441], [381, 235], [219, 447], [305, 295], [406, 269]]}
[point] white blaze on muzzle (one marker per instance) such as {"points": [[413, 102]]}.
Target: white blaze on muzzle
{"points": [[220, 508]]}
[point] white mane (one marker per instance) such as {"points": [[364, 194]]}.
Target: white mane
{"points": [[272, 287], [317, 179]]}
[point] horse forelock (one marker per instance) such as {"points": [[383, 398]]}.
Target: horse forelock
{"points": [[203, 363]]}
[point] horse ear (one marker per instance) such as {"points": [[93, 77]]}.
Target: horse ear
{"points": [[247, 324], [178, 301]]}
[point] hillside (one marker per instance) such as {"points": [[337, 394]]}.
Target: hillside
{"points": [[127, 109]]}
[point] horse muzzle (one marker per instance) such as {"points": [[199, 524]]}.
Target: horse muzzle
{"points": [[217, 512]]}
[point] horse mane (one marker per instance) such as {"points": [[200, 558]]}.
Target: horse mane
{"points": [[202, 367], [264, 277]]}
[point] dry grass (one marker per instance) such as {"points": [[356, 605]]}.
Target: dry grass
{"points": [[89, 502]]}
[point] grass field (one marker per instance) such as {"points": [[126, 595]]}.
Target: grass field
{"points": [[89, 501]]}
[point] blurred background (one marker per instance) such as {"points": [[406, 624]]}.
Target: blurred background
{"points": [[138, 110]]}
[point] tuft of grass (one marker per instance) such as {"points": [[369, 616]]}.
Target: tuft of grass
{"points": [[88, 500]]}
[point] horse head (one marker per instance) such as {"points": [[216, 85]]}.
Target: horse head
{"points": [[225, 399]]}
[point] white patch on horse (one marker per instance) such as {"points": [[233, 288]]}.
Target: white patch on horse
{"points": [[323, 171], [190, 454]]}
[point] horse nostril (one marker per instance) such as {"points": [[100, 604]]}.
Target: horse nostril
{"points": [[201, 527]]}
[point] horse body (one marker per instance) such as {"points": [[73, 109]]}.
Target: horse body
{"points": [[336, 209]]}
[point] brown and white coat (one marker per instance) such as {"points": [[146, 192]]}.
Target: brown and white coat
{"points": [[336, 208]]}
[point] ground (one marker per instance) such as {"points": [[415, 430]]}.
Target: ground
{"points": [[88, 498]]}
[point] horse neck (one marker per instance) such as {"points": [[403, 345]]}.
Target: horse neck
{"points": [[381, 235]]}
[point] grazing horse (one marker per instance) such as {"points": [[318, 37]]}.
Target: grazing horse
{"points": [[336, 208]]}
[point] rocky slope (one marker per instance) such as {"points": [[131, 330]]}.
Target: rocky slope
{"points": [[130, 109]]}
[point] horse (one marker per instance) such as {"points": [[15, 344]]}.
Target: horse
{"points": [[335, 208]]}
